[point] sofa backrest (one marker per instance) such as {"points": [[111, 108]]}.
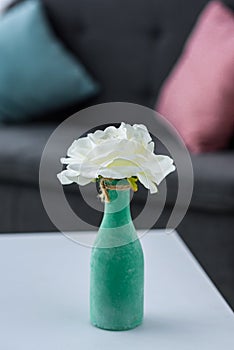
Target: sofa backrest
{"points": [[129, 46]]}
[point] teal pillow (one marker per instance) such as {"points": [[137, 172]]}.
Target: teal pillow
{"points": [[37, 74]]}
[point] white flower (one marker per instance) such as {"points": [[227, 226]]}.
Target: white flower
{"points": [[116, 153]]}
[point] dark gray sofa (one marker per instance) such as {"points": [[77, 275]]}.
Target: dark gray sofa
{"points": [[129, 47]]}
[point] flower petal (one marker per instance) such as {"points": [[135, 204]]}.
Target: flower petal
{"points": [[120, 152], [83, 180], [65, 177], [147, 182]]}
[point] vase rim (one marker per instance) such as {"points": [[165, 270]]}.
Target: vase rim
{"points": [[107, 184]]}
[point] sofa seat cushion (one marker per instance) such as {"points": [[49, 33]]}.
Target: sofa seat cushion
{"points": [[21, 148], [214, 181]]}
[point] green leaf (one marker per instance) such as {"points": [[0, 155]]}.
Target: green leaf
{"points": [[133, 183]]}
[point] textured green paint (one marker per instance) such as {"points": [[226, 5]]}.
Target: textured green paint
{"points": [[117, 268]]}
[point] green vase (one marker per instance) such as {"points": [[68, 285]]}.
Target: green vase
{"points": [[117, 266]]}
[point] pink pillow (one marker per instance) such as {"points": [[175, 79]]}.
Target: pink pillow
{"points": [[198, 96]]}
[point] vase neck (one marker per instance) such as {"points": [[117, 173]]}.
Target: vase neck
{"points": [[117, 210], [117, 228]]}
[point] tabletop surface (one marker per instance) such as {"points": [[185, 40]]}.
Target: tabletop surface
{"points": [[44, 298]]}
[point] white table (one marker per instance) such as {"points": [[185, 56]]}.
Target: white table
{"points": [[44, 298]]}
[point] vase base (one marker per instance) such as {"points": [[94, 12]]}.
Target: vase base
{"points": [[117, 329]]}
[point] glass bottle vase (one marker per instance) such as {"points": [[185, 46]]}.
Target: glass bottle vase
{"points": [[117, 265]]}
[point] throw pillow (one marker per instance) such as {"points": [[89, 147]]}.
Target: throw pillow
{"points": [[198, 96], [37, 74]]}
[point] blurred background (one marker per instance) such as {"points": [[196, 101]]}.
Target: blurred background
{"points": [[174, 56]]}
